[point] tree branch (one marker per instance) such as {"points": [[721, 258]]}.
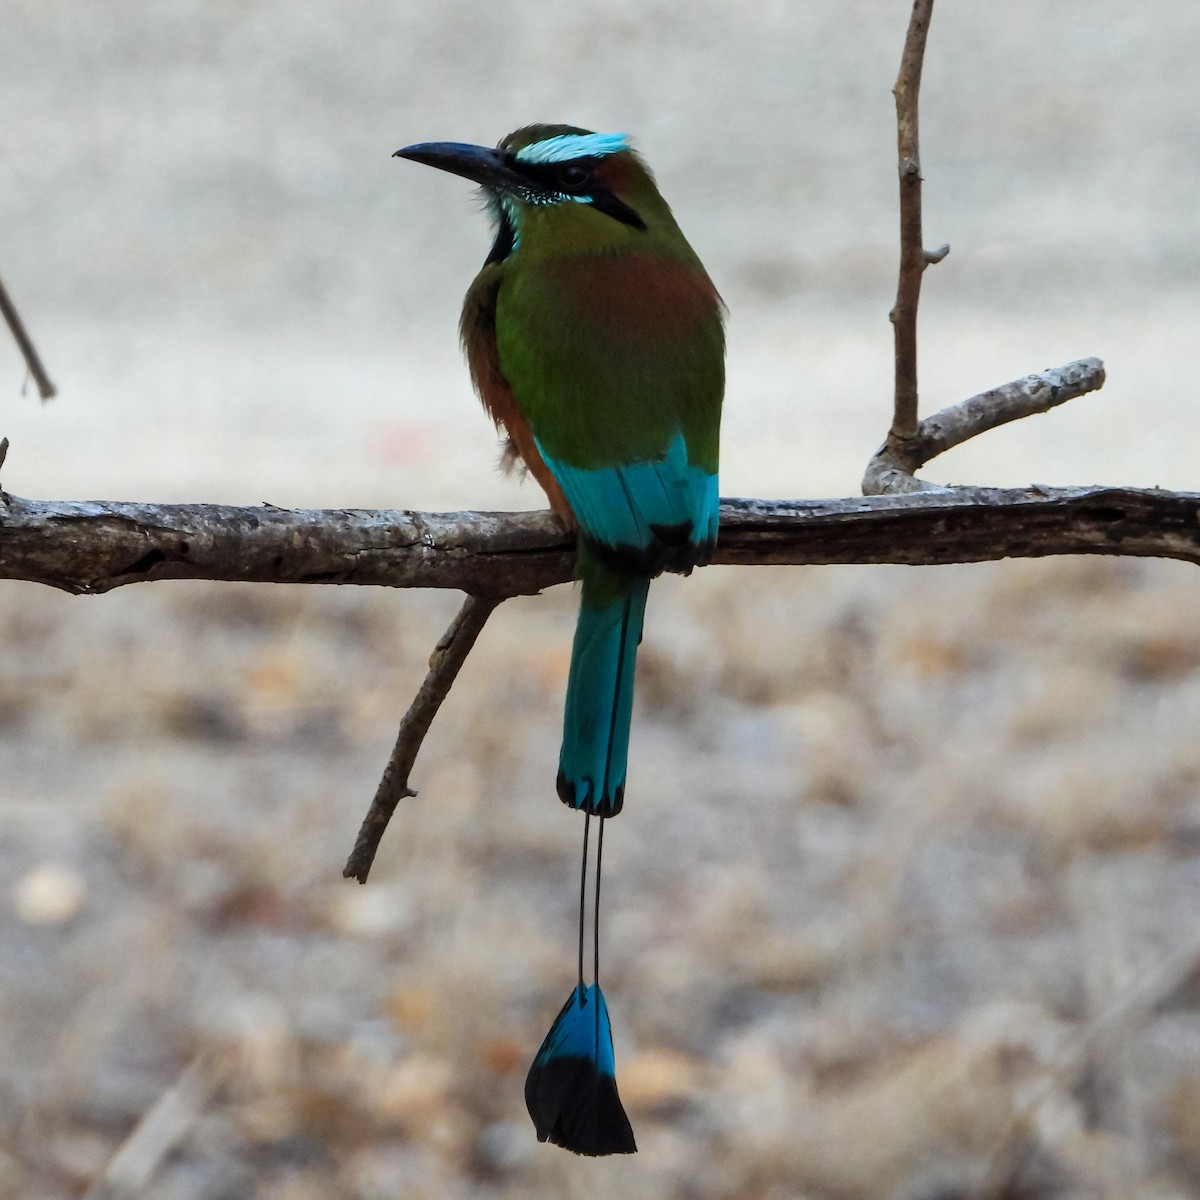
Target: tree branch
{"points": [[89, 547]]}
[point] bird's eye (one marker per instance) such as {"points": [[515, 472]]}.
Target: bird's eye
{"points": [[573, 176]]}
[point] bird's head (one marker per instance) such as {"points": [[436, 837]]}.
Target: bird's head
{"points": [[560, 189]]}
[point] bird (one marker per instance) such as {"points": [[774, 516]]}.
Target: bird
{"points": [[595, 340]]}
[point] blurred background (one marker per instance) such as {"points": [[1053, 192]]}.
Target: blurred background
{"points": [[903, 901]]}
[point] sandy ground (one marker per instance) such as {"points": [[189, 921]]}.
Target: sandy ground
{"points": [[903, 899]]}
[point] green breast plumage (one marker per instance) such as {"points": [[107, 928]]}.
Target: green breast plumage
{"points": [[617, 364]]}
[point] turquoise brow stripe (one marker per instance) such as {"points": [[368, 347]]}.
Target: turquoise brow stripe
{"points": [[574, 145]]}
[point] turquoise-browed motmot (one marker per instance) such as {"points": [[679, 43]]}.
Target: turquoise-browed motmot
{"points": [[595, 339]]}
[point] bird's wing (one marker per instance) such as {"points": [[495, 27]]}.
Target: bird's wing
{"points": [[478, 331]]}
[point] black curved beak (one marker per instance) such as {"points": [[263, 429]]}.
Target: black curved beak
{"points": [[480, 164]]}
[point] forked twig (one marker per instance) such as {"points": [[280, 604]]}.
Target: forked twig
{"points": [[912, 442], [893, 467], [33, 360], [448, 656]]}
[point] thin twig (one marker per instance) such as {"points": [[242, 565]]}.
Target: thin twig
{"points": [[913, 256], [1130, 1006], [33, 361], [893, 468], [448, 656], [1113, 957], [159, 1131]]}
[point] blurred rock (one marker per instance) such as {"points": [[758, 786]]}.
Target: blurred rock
{"points": [[415, 1093], [369, 911], [656, 1080], [50, 894]]}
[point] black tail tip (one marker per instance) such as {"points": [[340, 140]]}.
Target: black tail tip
{"points": [[583, 797], [575, 1106]]}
